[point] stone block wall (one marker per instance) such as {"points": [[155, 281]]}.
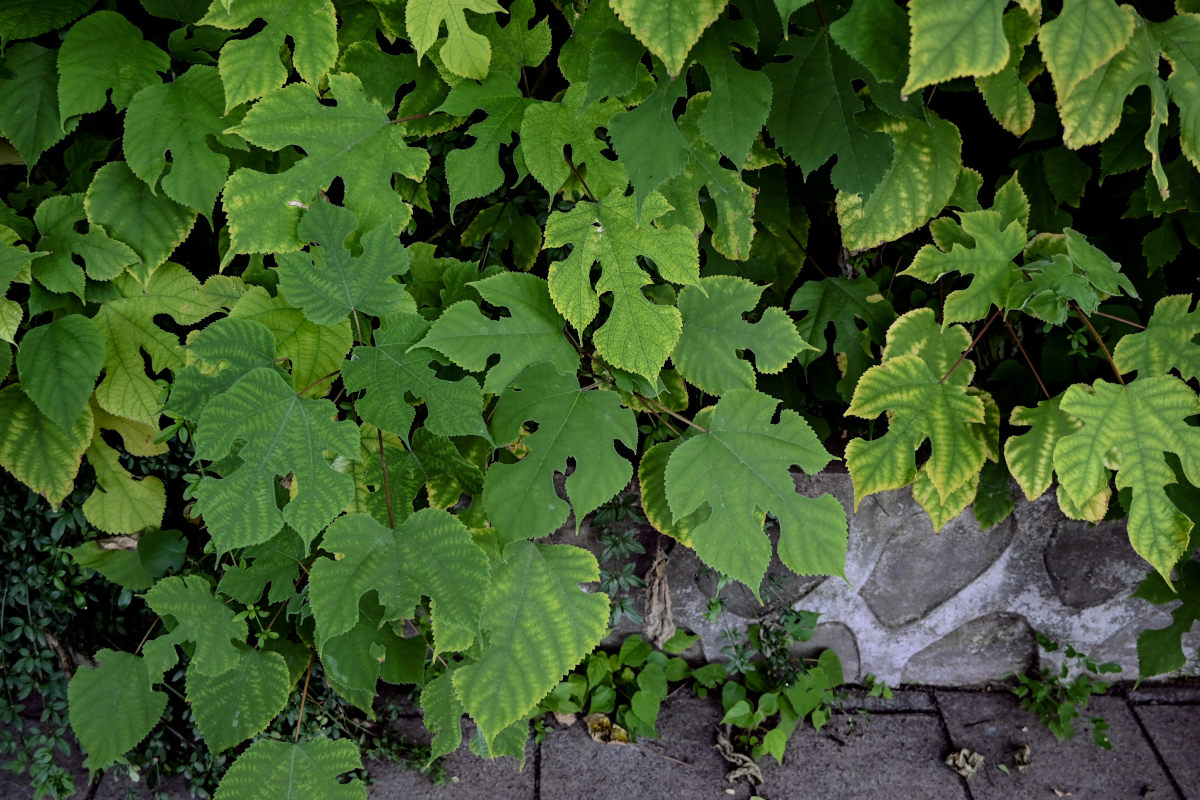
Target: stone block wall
{"points": [[957, 608]]}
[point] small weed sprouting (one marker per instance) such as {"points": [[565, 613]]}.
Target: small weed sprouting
{"points": [[1057, 702], [619, 547]]}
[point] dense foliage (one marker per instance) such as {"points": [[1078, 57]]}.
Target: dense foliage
{"points": [[422, 281]]}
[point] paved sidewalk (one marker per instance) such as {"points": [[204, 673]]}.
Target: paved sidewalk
{"points": [[873, 750]]}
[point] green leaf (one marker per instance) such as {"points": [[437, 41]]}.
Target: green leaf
{"points": [[1129, 428], [994, 499], [177, 118], [24, 19], [842, 302], [239, 703], [638, 335], [1030, 456], [989, 260], [225, 350], [283, 435], [464, 51], [355, 660], [313, 351], [430, 554], [29, 101], [734, 200], [122, 567], [518, 43], [953, 38], [647, 139], [250, 67], [271, 770], [1006, 94], [1102, 272], [201, 618], [1080, 40], [917, 186], [1091, 111], [396, 366], [49, 468], [531, 334], [1167, 343], [741, 98], [573, 425], [875, 34], [127, 322], [819, 117], [61, 244], [652, 477], [112, 706], [1179, 37], [547, 127], [942, 510], [714, 331], [130, 212], [1160, 650], [275, 562], [58, 365], [924, 399], [354, 140], [475, 171], [103, 56], [120, 503], [541, 624], [669, 27], [443, 714], [328, 282], [740, 467], [614, 64]]}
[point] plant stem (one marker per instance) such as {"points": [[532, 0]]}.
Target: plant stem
{"points": [[1028, 360], [1137, 325], [319, 380], [303, 699], [1099, 341], [971, 346], [674, 414], [387, 490], [579, 177]]}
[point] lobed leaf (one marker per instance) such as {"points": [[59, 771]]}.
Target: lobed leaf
{"points": [[1167, 343], [49, 469], [104, 57], [202, 618], [58, 364], [952, 38], [464, 52], [670, 28], [271, 770]]}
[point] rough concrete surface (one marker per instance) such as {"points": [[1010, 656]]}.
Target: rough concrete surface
{"points": [[1175, 732]]}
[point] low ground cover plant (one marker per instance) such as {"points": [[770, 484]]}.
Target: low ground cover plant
{"points": [[420, 282]]}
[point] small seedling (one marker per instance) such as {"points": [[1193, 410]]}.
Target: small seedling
{"points": [[1056, 701]]}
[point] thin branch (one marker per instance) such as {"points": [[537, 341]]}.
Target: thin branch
{"points": [[971, 346], [319, 380], [387, 489], [1137, 325], [400, 120], [303, 699], [1099, 341], [674, 414], [357, 325], [149, 631], [807, 257], [586, 188], [1028, 360]]}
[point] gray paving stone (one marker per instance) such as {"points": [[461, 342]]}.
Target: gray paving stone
{"points": [[1091, 564], [1175, 731], [1166, 693], [982, 651], [995, 725], [900, 589], [902, 701], [575, 766], [878, 757]]}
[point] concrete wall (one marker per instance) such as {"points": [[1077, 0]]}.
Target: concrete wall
{"points": [[955, 608]]}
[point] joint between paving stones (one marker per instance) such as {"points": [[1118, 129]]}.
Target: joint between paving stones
{"points": [[1133, 710]]}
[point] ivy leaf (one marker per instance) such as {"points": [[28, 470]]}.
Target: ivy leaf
{"points": [[430, 554], [283, 435], [201, 618], [573, 424], [547, 127], [1130, 428], [50, 467], [819, 119], [113, 706], [29, 116], [120, 503], [1167, 343], [1160, 650], [541, 624], [531, 334], [740, 467], [1105, 26], [328, 282], [475, 171], [251, 67], [63, 246], [102, 53], [396, 366], [58, 364], [919, 183], [989, 260], [465, 52], [951, 39], [239, 703], [714, 330], [924, 399], [127, 322], [740, 99], [670, 28], [1030, 456], [271, 770], [151, 225], [354, 140], [734, 200], [638, 335], [842, 302], [177, 118]]}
